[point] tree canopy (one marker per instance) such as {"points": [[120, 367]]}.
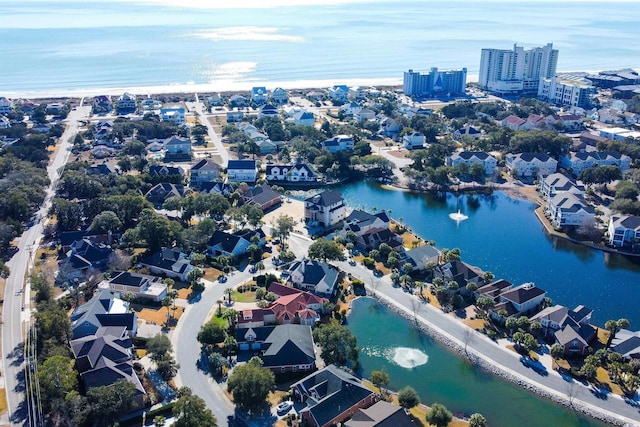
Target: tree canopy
{"points": [[325, 249], [250, 384], [439, 415], [337, 342], [191, 411]]}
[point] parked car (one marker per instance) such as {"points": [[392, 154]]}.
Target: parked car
{"points": [[284, 407]]}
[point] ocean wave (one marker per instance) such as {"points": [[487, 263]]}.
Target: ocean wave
{"points": [[258, 34], [244, 4]]}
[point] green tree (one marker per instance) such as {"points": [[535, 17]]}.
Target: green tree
{"points": [[439, 415], [283, 227], [191, 411], [556, 351], [56, 378], [158, 347], [250, 384], [380, 379], [106, 222], [477, 420], [337, 342], [108, 403], [167, 368], [408, 398], [211, 333], [325, 249]]}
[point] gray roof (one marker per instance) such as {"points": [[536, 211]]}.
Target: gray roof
{"points": [[381, 414], [422, 252], [470, 154], [627, 344], [167, 258], [262, 194], [315, 271], [326, 198], [205, 164], [87, 318], [523, 293], [241, 164], [570, 202], [289, 345], [110, 342]]}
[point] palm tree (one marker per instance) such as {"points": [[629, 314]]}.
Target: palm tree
{"points": [[166, 302], [228, 291], [219, 302]]}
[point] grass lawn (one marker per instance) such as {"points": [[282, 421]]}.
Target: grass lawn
{"points": [[249, 296], [602, 376], [183, 289], [157, 315], [212, 274], [3, 401]]}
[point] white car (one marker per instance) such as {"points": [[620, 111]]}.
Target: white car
{"points": [[284, 407]]}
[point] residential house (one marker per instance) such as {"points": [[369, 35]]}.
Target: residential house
{"points": [[170, 262], [216, 187], [569, 122], [467, 130], [102, 104], [127, 103], [332, 396], [259, 94], [420, 257], [325, 209], [358, 93], [363, 115], [104, 309], [140, 285], [381, 414], [292, 306], [459, 272], [619, 134], [279, 96], [163, 171], [234, 244], [242, 171], [267, 146], [238, 101], [339, 143], [268, 110], [493, 289], [580, 161], [487, 161], [534, 121], [299, 172], [283, 349], [315, 95], [339, 93], [569, 209], [5, 123], [413, 140], [263, 196], [570, 328], [205, 170], [102, 169], [6, 106], [177, 149], [303, 118], [624, 231], [315, 276], [150, 104], [215, 100], [85, 258], [610, 116], [556, 183], [106, 357], [513, 122], [371, 230], [627, 344], [175, 115], [350, 109], [389, 127], [159, 193], [521, 300], [531, 164], [69, 239], [592, 138], [234, 116]]}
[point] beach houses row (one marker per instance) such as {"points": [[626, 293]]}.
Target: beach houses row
{"points": [[565, 203]]}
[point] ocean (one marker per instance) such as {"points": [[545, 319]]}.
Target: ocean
{"points": [[72, 47]]}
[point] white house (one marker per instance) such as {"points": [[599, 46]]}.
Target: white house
{"points": [[513, 122], [326, 209], [140, 285], [300, 172], [242, 171], [364, 114], [259, 94], [177, 145], [388, 127], [315, 276], [205, 170], [357, 93], [303, 118], [413, 140], [339, 143], [279, 96], [171, 262], [470, 157], [339, 93], [468, 130], [555, 183], [150, 104], [578, 162], [268, 110], [624, 231], [531, 164], [233, 244], [568, 209], [524, 298], [175, 115], [350, 109]]}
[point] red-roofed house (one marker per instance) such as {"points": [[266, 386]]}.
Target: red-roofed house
{"points": [[513, 122]]}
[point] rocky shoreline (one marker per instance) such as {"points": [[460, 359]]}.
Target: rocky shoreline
{"points": [[500, 372]]}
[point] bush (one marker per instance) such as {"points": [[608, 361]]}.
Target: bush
{"points": [[368, 262]]}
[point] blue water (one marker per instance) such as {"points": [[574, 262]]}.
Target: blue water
{"points": [[446, 377], [502, 235], [66, 47]]}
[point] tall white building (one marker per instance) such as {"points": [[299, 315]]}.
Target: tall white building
{"points": [[566, 90], [420, 83], [518, 70]]}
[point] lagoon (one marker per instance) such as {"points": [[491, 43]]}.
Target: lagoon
{"points": [[411, 357], [502, 235]]}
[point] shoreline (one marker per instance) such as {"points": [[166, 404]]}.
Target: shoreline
{"points": [[486, 365]]}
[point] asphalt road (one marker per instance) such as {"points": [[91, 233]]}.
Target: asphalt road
{"points": [[13, 317], [201, 109]]}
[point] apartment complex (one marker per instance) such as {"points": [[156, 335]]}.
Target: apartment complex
{"points": [[427, 83], [515, 71], [574, 91]]}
